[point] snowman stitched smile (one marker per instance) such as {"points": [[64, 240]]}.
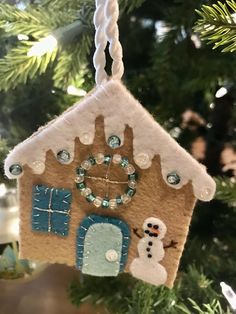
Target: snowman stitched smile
{"points": [[152, 231]]}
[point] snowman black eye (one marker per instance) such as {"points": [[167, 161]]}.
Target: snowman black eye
{"points": [[156, 227], [149, 225], [147, 231]]}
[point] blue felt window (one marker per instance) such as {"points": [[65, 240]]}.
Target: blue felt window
{"points": [[51, 210]]}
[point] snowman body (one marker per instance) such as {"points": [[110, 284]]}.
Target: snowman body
{"points": [[150, 248]]}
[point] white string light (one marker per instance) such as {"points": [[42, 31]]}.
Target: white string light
{"points": [[229, 294], [221, 92], [22, 37], [3, 189], [72, 90], [45, 45], [62, 35]]}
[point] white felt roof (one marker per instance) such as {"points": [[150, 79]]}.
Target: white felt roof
{"points": [[119, 108]]}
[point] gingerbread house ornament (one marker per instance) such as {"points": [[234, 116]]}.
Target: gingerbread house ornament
{"points": [[104, 187]]}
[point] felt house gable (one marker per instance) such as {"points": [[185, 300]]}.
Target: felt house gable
{"points": [[105, 188]]}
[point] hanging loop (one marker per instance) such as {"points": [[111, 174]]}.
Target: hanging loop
{"points": [[105, 21], [99, 58]]}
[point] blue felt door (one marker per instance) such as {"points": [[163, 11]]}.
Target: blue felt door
{"points": [[102, 246]]}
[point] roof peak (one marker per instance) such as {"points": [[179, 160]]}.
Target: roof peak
{"points": [[119, 108]]}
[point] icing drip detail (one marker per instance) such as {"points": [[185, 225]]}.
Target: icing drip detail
{"points": [[119, 108]]}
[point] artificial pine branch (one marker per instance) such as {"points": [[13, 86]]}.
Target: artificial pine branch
{"points": [[124, 295], [34, 21], [17, 67], [71, 64], [125, 5], [37, 22], [226, 190], [217, 25]]}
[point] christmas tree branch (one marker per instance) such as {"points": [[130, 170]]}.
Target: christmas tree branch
{"points": [[17, 67], [226, 190], [212, 308], [71, 64], [217, 25], [124, 295], [68, 59], [125, 5], [35, 21]]}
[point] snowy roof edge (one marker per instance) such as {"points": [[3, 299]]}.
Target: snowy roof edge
{"points": [[119, 108]]}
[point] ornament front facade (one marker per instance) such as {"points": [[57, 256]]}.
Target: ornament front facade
{"points": [[169, 182]]}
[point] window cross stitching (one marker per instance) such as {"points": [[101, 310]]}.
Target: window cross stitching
{"points": [[51, 210]]}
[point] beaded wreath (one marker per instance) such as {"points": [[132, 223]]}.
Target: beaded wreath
{"points": [[106, 160]]}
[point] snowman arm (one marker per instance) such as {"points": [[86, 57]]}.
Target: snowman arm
{"points": [[136, 232], [172, 244]]}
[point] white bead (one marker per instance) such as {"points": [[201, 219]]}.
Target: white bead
{"points": [[129, 169], [98, 201], [86, 138], [116, 159], [125, 198], [38, 166], [112, 204], [86, 165], [85, 192], [79, 179], [142, 159], [132, 184], [99, 158], [111, 255]]}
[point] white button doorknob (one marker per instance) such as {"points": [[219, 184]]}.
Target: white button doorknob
{"points": [[111, 256]]}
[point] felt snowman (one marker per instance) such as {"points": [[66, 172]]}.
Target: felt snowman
{"points": [[150, 248]]}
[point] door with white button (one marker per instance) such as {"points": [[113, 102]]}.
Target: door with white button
{"points": [[102, 246]]}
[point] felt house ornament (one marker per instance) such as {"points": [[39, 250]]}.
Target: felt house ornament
{"points": [[104, 188]]}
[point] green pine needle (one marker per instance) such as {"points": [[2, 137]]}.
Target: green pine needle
{"points": [[217, 25], [226, 190], [38, 21], [18, 68]]}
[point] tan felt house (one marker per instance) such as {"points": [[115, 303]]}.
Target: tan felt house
{"points": [[105, 188]]}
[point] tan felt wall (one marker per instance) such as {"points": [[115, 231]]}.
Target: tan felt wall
{"points": [[153, 198]]}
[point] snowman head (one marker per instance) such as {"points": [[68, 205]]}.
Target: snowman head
{"points": [[154, 227]]}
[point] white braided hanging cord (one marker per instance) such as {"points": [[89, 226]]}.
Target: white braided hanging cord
{"points": [[99, 58], [112, 33], [105, 21]]}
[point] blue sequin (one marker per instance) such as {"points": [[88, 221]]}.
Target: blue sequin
{"points": [[15, 169], [63, 156], [130, 192], [80, 185], [92, 160], [90, 198], [107, 159], [119, 200], [114, 141], [81, 171], [105, 203], [133, 176], [173, 178], [124, 162]]}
